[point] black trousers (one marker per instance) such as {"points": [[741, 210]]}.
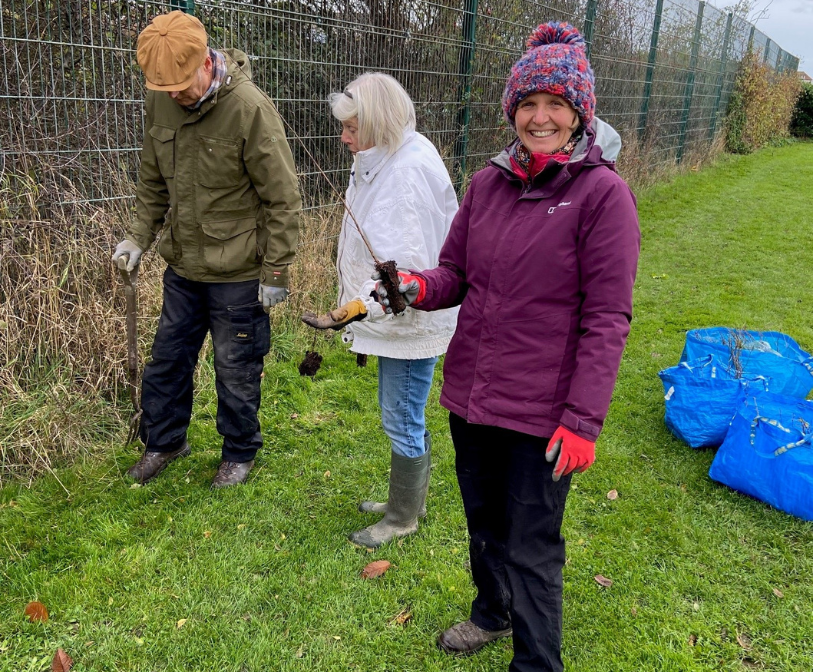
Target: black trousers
{"points": [[241, 336], [514, 514]]}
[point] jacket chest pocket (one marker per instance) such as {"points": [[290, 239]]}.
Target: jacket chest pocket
{"points": [[164, 148], [219, 162]]}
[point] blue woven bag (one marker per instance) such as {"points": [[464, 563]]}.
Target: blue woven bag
{"points": [[768, 453], [770, 354], [701, 397]]}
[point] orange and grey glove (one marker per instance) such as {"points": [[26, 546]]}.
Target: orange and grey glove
{"points": [[571, 452], [411, 287], [336, 319]]}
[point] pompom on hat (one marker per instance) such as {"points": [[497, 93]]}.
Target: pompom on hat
{"points": [[556, 63]]}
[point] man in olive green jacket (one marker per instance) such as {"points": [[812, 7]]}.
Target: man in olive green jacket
{"points": [[218, 182]]}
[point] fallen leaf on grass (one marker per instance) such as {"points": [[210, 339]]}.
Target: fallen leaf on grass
{"points": [[744, 641], [375, 569], [241, 526], [294, 416], [62, 662], [402, 617], [692, 640], [778, 593], [207, 534], [36, 612], [337, 638], [327, 474], [612, 495], [603, 580], [300, 652], [180, 623]]}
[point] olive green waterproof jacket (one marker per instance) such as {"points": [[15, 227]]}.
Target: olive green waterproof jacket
{"points": [[219, 184]]}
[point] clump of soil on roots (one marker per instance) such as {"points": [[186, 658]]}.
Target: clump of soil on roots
{"points": [[310, 365], [389, 278]]}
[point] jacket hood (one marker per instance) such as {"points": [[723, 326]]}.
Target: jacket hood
{"points": [[599, 146], [236, 62]]}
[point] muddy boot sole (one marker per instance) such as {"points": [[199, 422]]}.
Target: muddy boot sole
{"points": [[381, 533]]}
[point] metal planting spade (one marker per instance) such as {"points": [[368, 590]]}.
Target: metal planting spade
{"points": [[130, 278]]}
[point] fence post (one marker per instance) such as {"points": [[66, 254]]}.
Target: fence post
{"points": [[650, 68], [687, 96], [465, 67], [779, 60], [721, 76], [767, 49], [187, 6], [589, 24], [751, 38]]}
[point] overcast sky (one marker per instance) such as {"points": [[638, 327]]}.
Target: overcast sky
{"points": [[789, 23]]}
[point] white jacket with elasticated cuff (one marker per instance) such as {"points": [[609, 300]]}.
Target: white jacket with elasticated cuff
{"points": [[404, 203]]}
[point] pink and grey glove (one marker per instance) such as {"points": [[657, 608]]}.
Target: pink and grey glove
{"points": [[571, 452]]}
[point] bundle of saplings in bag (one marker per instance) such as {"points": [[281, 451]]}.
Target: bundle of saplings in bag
{"points": [[767, 452], [767, 353], [701, 398]]}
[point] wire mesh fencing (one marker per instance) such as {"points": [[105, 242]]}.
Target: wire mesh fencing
{"points": [[71, 101]]}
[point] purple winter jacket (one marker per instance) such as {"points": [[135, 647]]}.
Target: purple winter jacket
{"points": [[544, 279]]}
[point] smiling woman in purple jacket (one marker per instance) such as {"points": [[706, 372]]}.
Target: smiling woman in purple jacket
{"points": [[541, 258]]}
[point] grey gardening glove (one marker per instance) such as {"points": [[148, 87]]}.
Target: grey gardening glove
{"points": [[127, 255], [270, 296], [409, 288]]}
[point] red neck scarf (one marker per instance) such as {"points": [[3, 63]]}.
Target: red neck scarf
{"points": [[527, 165]]}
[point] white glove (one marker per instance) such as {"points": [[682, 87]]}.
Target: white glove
{"points": [[127, 255], [270, 296]]}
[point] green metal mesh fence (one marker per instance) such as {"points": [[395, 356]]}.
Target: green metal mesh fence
{"points": [[71, 91]]}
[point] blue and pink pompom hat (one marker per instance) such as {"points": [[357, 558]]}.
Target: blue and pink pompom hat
{"points": [[556, 63]]}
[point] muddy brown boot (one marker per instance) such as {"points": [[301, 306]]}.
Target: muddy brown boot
{"points": [[466, 637], [153, 462], [407, 480], [231, 473], [381, 507]]}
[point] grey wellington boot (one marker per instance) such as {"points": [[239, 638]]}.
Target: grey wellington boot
{"points": [[381, 507], [407, 480]]}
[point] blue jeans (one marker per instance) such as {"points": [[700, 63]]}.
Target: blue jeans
{"points": [[403, 388]]}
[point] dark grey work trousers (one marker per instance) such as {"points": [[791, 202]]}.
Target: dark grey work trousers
{"points": [[241, 336], [514, 515]]}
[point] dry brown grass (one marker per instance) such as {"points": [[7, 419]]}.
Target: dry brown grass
{"points": [[62, 339], [636, 167]]}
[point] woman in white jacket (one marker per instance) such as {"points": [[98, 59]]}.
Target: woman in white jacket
{"points": [[403, 200]]}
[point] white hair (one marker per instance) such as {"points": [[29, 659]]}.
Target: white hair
{"points": [[384, 110]]}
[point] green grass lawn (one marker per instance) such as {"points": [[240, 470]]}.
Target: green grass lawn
{"points": [[264, 576]]}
